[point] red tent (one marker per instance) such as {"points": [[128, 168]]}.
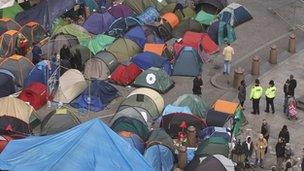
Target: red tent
{"points": [[125, 74], [194, 39], [36, 94]]}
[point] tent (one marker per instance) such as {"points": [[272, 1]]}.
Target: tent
{"points": [[187, 25], [11, 12], [7, 83], [123, 49], [8, 42], [125, 74], [205, 18], [195, 103], [98, 43], [139, 6], [120, 10], [58, 120], [187, 57], [96, 97], [36, 94], [171, 18], [121, 25], [134, 112], [235, 14], [146, 60], [220, 32], [131, 125], [142, 35], [75, 30], [159, 49], [76, 149], [33, 32], [19, 66], [188, 11], [71, 85], [100, 66], [154, 78], [220, 119], [214, 162], [173, 123], [82, 51], [159, 136], [176, 109], [213, 145], [98, 23], [7, 24], [134, 140], [211, 6], [149, 16], [213, 131], [147, 99]]}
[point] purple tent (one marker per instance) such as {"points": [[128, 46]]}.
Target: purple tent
{"points": [[120, 10], [98, 23]]}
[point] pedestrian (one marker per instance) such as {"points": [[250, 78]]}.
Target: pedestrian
{"points": [[260, 145], [179, 7], [242, 93], [255, 96], [292, 86], [36, 53], [197, 83], [280, 153], [284, 134], [270, 94], [248, 149], [286, 91], [265, 130], [228, 53], [65, 52]]}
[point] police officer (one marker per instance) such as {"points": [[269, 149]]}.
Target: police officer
{"points": [[255, 96], [270, 94]]}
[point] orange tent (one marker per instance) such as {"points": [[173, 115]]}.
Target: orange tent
{"points": [[225, 106], [171, 18], [33, 32], [155, 48]]}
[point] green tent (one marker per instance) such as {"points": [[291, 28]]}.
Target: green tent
{"points": [[154, 78], [11, 12], [240, 120], [123, 49], [139, 6], [74, 30], [59, 22], [98, 43], [189, 12], [195, 103], [213, 145], [187, 25], [205, 18], [160, 136]]}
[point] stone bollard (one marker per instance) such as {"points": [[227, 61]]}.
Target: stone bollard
{"points": [[292, 43], [238, 77], [255, 66], [182, 157], [273, 57], [191, 136]]}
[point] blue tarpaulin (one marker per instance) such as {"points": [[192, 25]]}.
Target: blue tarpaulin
{"points": [[160, 157], [88, 146]]}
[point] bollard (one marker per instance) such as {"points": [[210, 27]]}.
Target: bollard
{"points": [[273, 57], [255, 65], [238, 77], [292, 43], [182, 157], [191, 136]]}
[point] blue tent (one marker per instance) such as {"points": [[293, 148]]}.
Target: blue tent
{"points": [[88, 146], [7, 83], [235, 14], [96, 97], [136, 142], [147, 60], [149, 16], [160, 157], [137, 35], [213, 131], [220, 31], [42, 73], [98, 23], [121, 25]]}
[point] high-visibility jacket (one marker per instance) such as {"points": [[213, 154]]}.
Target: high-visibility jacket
{"points": [[271, 92], [256, 92]]}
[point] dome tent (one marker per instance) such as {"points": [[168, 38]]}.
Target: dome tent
{"points": [[34, 32], [8, 24], [235, 14], [123, 49], [7, 83], [98, 23], [125, 74]]}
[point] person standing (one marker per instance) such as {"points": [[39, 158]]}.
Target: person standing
{"points": [[284, 134], [255, 96], [260, 145], [280, 153], [286, 91], [228, 53], [197, 83], [292, 86], [270, 94], [248, 149], [242, 93], [36, 53], [265, 130]]}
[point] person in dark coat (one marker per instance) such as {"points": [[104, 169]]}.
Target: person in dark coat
{"points": [[292, 86], [284, 134], [76, 61], [265, 130], [65, 52], [36, 53], [280, 153], [197, 83], [286, 91], [242, 93], [248, 148]]}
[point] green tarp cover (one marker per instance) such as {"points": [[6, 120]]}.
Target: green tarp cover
{"points": [[205, 18], [75, 30], [11, 12], [98, 43], [240, 119], [60, 22]]}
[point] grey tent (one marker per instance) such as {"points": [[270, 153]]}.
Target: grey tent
{"points": [[159, 136], [85, 52], [187, 58], [134, 112], [213, 162]]}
